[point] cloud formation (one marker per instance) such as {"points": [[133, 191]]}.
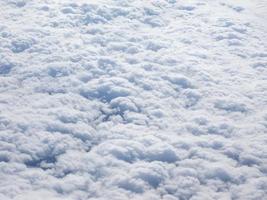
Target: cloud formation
{"points": [[133, 100]]}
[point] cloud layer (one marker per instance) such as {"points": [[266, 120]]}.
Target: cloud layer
{"points": [[146, 100]]}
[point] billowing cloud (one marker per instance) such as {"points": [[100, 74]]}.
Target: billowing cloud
{"points": [[140, 100]]}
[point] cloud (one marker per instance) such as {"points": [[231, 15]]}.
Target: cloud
{"points": [[141, 100]]}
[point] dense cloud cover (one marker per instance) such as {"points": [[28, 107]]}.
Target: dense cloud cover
{"points": [[142, 100]]}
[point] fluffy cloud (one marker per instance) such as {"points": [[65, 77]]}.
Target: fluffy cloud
{"points": [[133, 100]]}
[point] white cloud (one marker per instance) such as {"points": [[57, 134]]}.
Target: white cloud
{"points": [[133, 100]]}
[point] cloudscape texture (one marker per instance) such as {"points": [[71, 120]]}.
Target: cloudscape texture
{"points": [[133, 100]]}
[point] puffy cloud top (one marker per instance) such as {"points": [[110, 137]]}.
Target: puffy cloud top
{"points": [[142, 100]]}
